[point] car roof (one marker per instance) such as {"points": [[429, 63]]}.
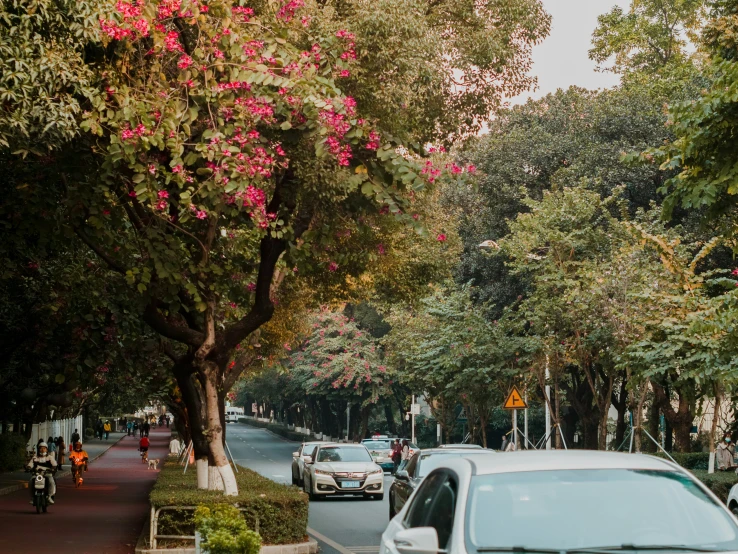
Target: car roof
{"points": [[464, 446], [467, 451], [549, 460], [342, 445]]}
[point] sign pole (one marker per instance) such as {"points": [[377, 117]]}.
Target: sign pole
{"points": [[412, 416], [515, 428], [525, 420], [348, 420], [548, 409]]}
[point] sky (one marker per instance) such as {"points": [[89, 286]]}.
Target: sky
{"points": [[562, 60]]}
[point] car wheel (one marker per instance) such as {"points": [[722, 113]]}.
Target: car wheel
{"points": [[734, 509], [392, 512], [295, 480]]}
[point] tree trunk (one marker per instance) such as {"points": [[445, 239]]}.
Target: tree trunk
{"points": [[679, 419], [215, 430], [483, 420], [621, 405], [604, 414], [390, 416], [364, 431], [193, 409], [557, 410]]}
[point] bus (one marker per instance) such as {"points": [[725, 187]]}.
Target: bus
{"points": [[233, 413]]}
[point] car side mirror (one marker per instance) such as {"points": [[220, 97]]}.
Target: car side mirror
{"points": [[308, 460], [402, 475], [417, 540], [295, 454]]}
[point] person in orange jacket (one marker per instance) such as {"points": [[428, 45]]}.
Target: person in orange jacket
{"points": [[78, 456]]}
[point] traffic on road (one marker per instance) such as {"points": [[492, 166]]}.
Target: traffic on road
{"points": [[458, 499]]}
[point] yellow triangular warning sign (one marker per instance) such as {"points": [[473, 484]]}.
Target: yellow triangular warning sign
{"points": [[514, 401]]}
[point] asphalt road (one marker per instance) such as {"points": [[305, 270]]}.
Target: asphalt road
{"points": [[341, 525]]}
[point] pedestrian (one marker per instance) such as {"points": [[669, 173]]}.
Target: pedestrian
{"points": [[146, 428], [396, 454], [405, 454], [129, 428], [52, 447], [724, 454], [99, 429], [106, 428], [168, 421], [504, 443], [175, 447], [60, 449], [135, 428], [75, 437]]}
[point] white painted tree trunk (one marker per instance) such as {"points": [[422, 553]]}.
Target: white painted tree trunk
{"points": [[215, 436], [215, 482], [202, 473]]}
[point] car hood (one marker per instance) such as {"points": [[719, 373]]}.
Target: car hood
{"points": [[346, 467]]}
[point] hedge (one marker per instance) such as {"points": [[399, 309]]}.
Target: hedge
{"points": [[719, 482], [278, 429], [689, 460], [12, 451], [282, 510]]}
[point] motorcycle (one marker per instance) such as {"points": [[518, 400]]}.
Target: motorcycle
{"points": [[40, 488], [77, 473]]}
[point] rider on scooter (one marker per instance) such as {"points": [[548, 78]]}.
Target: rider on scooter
{"points": [[44, 459], [143, 444], [78, 456]]}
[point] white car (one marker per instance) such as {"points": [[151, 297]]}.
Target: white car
{"points": [[565, 502], [298, 461], [342, 469], [733, 500]]}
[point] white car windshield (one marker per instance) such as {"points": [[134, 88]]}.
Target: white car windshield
{"points": [[377, 445], [609, 508], [343, 454]]}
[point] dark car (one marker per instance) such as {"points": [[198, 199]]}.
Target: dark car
{"points": [[409, 475]]}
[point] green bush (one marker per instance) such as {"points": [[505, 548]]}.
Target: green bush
{"points": [[12, 451], [224, 531], [279, 513], [278, 429], [89, 433], [689, 460], [719, 482]]}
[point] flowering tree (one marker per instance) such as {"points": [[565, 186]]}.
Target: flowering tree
{"points": [[232, 161]]}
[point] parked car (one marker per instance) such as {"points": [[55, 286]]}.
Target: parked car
{"points": [[409, 475], [733, 500], [380, 449], [464, 446], [298, 461], [573, 501], [342, 469]]}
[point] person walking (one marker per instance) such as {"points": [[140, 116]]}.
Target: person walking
{"points": [[129, 428], [52, 447], [724, 454], [135, 428], [60, 450], [396, 455], [106, 428], [175, 447], [99, 429], [75, 437], [405, 453], [146, 428]]}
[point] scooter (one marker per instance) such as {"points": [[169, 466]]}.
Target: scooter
{"points": [[77, 473], [40, 489]]}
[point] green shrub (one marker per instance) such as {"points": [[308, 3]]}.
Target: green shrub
{"points": [[224, 531], [279, 513], [719, 482], [689, 460], [12, 451], [278, 429]]}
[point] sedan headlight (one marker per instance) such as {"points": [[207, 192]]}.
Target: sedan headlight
{"points": [[375, 471], [321, 472]]}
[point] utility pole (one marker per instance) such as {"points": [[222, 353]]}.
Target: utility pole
{"points": [[412, 419], [525, 422], [515, 428], [548, 408], [348, 421]]}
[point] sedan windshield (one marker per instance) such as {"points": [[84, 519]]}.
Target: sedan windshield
{"points": [[343, 454], [602, 508], [377, 445]]}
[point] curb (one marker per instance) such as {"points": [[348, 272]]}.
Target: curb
{"points": [[60, 475]]}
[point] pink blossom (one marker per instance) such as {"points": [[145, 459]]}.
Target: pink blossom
{"points": [[177, 168], [333, 266], [287, 346], [416, 216], [251, 287], [381, 250], [201, 214], [140, 129], [373, 142], [171, 42], [128, 10], [167, 8], [305, 21], [288, 9], [471, 168], [152, 169], [127, 134], [161, 205], [184, 62], [113, 30], [142, 26], [344, 73], [132, 194], [232, 305], [441, 237], [162, 194], [734, 272]]}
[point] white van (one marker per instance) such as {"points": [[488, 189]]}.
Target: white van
{"points": [[233, 413]]}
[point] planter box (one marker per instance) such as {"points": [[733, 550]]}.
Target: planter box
{"points": [[309, 547]]}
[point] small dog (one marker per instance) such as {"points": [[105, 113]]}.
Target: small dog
{"points": [[153, 464]]}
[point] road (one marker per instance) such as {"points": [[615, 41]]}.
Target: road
{"points": [[341, 525]]}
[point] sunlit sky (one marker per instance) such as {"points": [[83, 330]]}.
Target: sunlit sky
{"points": [[561, 60]]}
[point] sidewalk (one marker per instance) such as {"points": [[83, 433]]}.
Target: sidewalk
{"points": [[16, 480], [104, 516]]}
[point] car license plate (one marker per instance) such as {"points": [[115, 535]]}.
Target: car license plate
{"points": [[351, 484]]}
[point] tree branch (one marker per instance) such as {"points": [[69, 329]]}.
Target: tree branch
{"points": [[159, 323], [113, 264]]}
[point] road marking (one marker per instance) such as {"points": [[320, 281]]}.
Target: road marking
{"points": [[333, 544], [364, 549]]}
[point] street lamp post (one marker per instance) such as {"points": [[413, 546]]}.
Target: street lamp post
{"points": [[548, 409]]}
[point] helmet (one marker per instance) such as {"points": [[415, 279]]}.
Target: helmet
{"points": [[78, 446], [42, 444]]}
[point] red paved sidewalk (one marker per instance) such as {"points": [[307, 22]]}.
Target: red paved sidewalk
{"points": [[104, 516]]}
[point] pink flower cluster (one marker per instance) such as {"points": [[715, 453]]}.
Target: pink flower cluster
{"points": [[199, 214], [431, 171], [167, 8], [258, 107], [350, 52], [288, 9], [373, 142], [184, 62], [244, 12], [171, 42], [332, 267], [234, 85], [133, 25]]}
